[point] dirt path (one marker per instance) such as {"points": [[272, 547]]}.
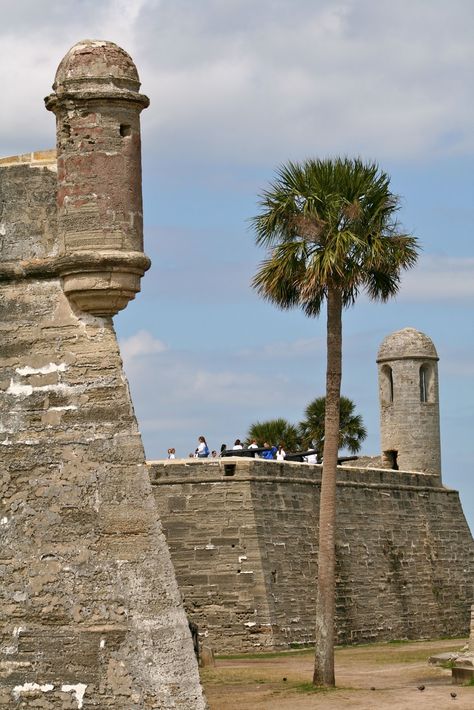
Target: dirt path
{"points": [[375, 677]]}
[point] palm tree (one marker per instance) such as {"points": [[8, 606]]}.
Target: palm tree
{"points": [[352, 431], [275, 432], [331, 231]]}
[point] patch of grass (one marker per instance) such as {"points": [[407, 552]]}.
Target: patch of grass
{"points": [[470, 683], [301, 646], [383, 652], [230, 676], [448, 665], [312, 689], [263, 654]]}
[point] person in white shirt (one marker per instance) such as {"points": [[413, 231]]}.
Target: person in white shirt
{"points": [[202, 451], [253, 445], [280, 454], [237, 444]]}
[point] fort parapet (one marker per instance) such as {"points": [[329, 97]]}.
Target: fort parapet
{"points": [[243, 540]]}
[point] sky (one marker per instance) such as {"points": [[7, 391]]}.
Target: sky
{"points": [[237, 88]]}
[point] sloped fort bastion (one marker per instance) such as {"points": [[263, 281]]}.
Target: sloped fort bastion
{"points": [[90, 612]]}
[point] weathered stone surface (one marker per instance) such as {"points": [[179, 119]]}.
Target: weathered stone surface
{"points": [[90, 612], [409, 402], [471, 634], [88, 591], [28, 216], [245, 552], [97, 108]]}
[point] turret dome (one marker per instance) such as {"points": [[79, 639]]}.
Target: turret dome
{"points": [[405, 344], [91, 62]]}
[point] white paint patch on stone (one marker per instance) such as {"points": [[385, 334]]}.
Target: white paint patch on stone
{"points": [[250, 571], [102, 643], [3, 521], [210, 546], [62, 409], [28, 687], [45, 370], [3, 229], [78, 689], [17, 630], [19, 390], [250, 624], [242, 558]]}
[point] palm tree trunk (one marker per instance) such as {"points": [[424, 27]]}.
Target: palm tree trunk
{"points": [[326, 585]]}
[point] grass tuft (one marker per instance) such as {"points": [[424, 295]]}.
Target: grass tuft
{"points": [[312, 689]]}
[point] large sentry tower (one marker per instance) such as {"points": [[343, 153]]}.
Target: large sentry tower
{"points": [[97, 105], [409, 402]]}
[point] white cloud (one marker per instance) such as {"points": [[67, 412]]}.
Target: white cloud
{"points": [[439, 278], [178, 395], [258, 81], [140, 344], [345, 76]]}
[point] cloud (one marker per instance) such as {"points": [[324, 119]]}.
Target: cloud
{"points": [[139, 345], [178, 395], [439, 278], [351, 76], [254, 82]]}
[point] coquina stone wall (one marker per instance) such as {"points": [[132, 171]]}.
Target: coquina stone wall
{"points": [[409, 402], [90, 611], [243, 540]]}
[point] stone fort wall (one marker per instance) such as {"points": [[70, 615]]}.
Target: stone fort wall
{"points": [[243, 539], [90, 611], [89, 605]]}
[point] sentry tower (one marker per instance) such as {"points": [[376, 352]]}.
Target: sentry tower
{"points": [[97, 105], [409, 402]]}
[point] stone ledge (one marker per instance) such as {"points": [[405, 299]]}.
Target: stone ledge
{"points": [[239, 469], [36, 158], [300, 481], [74, 263]]}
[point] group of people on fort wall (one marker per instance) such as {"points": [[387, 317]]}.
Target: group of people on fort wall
{"points": [[267, 451]]}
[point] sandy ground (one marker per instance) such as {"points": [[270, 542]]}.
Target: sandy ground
{"points": [[375, 677]]}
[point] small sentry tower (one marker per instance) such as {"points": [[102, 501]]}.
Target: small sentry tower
{"points": [[409, 402]]}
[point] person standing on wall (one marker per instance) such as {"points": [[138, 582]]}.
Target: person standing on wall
{"points": [[280, 454], [202, 451]]}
